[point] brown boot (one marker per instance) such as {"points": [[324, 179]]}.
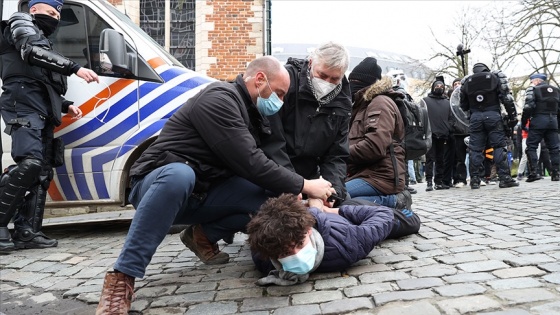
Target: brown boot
{"points": [[117, 294], [193, 237]]}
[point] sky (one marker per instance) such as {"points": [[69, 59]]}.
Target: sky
{"points": [[395, 26]]}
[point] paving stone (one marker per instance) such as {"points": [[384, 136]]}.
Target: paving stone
{"points": [[518, 272], [433, 271], [419, 283], [367, 289], [514, 283], [527, 260], [537, 248], [316, 297], [346, 305], [461, 289], [469, 277], [165, 311], [403, 308], [58, 257], [468, 304], [415, 263], [391, 259], [553, 278], [460, 258], [515, 311], [237, 293], [336, 283], [150, 292], [429, 254], [312, 309], [265, 303], [44, 298], [66, 285], [547, 309], [183, 299], [383, 276], [38, 266], [83, 289], [287, 290], [550, 267], [412, 295], [504, 245], [197, 287], [212, 308], [520, 296], [481, 266]]}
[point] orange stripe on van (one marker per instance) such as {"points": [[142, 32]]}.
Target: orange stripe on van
{"points": [[90, 104], [54, 192], [156, 62]]}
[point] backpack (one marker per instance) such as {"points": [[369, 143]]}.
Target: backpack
{"points": [[418, 134]]}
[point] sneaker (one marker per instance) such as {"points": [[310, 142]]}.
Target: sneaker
{"points": [[533, 177], [508, 183], [482, 183], [404, 200], [459, 185], [6, 244], [117, 294], [193, 237], [411, 190]]}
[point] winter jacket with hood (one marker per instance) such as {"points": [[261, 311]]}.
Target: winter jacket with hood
{"points": [[376, 133], [439, 111], [310, 138], [214, 133]]}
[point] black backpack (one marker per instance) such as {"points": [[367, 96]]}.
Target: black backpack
{"points": [[418, 134]]}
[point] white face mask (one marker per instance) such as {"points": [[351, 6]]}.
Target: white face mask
{"points": [[322, 87]]}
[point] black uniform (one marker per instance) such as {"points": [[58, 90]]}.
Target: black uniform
{"points": [[481, 94], [542, 106], [34, 78]]}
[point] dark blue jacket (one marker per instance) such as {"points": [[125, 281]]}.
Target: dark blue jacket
{"points": [[351, 235]]}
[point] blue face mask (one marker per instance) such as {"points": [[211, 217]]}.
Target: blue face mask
{"points": [[302, 262], [271, 105]]}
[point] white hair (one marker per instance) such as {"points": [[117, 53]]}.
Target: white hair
{"points": [[332, 55]]}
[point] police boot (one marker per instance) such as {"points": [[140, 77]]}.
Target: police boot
{"points": [[533, 174], [29, 221], [475, 182], [555, 176], [507, 181]]}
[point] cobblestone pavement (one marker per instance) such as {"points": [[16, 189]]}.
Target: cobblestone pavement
{"points": [[487, 251]]}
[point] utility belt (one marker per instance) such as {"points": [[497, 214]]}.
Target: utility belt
{"points": [[483, 108]]}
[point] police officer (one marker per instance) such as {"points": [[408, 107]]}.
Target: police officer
{"points": [[481, 94], [34, 78], [542, 107]]}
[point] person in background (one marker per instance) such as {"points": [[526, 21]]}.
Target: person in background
{"points": [[32, 102], [376, 166], [481, 94]]}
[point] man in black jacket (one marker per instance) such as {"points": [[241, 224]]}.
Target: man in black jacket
{"points": [[205, 169], [310, 132]]}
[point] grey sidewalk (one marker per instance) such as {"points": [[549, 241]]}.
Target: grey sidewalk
{"points": [[486, 251]]}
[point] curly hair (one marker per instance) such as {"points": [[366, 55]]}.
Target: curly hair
{"points": [[279, 226]]}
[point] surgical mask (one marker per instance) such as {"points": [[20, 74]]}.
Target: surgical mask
{"points": [[46, 23], [271, 105], [322, 87], [302, 262]]}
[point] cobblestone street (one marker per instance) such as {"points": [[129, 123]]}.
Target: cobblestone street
{"points": [[487, 251]]}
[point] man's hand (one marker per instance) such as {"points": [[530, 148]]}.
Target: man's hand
{"points": [[317, 188], [88, 75], [75, 111]]}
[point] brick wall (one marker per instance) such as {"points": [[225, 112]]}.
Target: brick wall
{"points": [[229, 34]]}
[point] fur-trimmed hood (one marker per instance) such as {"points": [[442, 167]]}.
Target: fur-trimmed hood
{"points": [[382, 86]]}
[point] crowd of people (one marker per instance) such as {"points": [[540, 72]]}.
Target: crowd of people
{"points": [[309, 163]]}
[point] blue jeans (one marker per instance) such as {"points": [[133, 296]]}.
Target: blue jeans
{"points": [[411, 173], [360, 189], [164, 197]]}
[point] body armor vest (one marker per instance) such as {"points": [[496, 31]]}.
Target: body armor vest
{"points": [[546, 99], [482, 91]]}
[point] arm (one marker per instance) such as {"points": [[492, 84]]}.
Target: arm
{"points": [[528, 107], [374, 223], [333, 163]]}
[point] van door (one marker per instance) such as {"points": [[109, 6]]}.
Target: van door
{"points": [[109, 111]]}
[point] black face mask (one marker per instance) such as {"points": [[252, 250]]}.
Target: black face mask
{"points": [[438, 91], [356, 86], [46, 23]]}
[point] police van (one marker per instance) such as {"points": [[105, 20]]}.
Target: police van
{"points": [[141, 86]]}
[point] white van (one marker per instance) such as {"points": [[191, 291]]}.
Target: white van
{"points": [[123, 114]]}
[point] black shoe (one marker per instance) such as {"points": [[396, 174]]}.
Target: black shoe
{"points": [[508, 183], [533, 177], [229, 239], [412, 182], [441, 186], [27, 239], [555, 177], [410, 190], [404, 200], [420, 180], [6, 244], [429, 188]]}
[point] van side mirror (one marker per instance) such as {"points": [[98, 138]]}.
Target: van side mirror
{"points": [[112, 52]]}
